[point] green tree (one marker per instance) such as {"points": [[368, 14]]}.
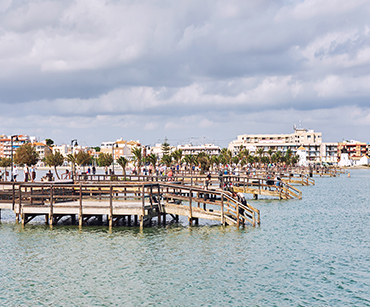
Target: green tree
{"points": [[166, 148], [122, 161], [55, 159], [138, 157], [205, 163], [26, 154], [152, 159], [167, 160], [49, 142], [83, 158], [5, 163], [97, 149], [105, 159], [189, 160], [177, 155]]}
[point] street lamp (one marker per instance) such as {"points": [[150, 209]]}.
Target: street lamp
{"points": [[11, 153], [73, 143], [113, 154]]}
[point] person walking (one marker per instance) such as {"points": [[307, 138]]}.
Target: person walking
{"points": [[26, 172], [33, 173], [15, 173]]}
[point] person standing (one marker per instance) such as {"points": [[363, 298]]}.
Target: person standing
{"points": [[15, 173], [33, 173], [26, 172]]}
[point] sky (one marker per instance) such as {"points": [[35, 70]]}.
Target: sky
{"points": [[189, 71]]}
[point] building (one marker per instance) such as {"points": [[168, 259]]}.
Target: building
{"points": [[209, 149], [310, 140], [120, 148], [6, 147], [42, 149], [353, 148]]}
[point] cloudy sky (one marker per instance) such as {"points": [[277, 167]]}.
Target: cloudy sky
{"points": [[98, 70]]}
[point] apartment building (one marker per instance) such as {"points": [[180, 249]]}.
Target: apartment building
{"points": [[6, 147], [310, 140]]}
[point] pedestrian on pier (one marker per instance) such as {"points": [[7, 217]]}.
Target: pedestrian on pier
{"points": [[26, 172], [15, 173], [33, 173]]}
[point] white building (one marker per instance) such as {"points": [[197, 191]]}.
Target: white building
{"points": [[190, 149], [309, 139]]}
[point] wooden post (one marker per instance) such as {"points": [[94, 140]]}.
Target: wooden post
{"points": [[20, 204], [222, 210], [80, 214], [237, 214], [110, 218], [190, 218], [142, 208], [13, 205], [51, 213]]}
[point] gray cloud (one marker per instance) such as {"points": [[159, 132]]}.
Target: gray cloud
{"points": [[185, 67]]}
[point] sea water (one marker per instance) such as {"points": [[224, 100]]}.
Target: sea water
{"points": [[309, 252]]}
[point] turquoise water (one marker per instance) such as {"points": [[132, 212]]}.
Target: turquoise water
{"points": [[312, 252]]}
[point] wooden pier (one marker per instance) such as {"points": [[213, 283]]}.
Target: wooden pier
{"points": [[254, 186], [137, 202]]}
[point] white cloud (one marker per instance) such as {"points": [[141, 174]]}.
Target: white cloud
{"points": [[156, 67]]}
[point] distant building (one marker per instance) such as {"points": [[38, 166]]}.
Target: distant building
{"points": [[5, 144], [353, 148], [42, 149], [209, 149], [310, 140], [120, 148]]}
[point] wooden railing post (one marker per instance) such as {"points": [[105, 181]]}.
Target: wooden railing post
{"points": [[110, 206], [190, 218], [142, 208], [51, 209], [222, 209], [80, 213]]}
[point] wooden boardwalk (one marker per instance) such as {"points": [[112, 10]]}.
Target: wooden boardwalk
{"points": [[245, 184], [141, 201]]}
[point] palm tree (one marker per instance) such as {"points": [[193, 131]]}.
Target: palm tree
{"points": [[167, 160], [105, 159], [73, 160], [55, 159], [270, 153], [138, 157], [83, 159], [177, 155], [152, 159], [5, 162], [122, 161]]}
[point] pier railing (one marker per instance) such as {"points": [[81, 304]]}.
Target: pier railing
{"points": [[241, 183], [143, 200]]}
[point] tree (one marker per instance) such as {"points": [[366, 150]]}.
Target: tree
{"points": [[138, 157], [83, 159], [167, 160], [49, 142], [5, 162], [97, 149], [152, 159], [177, 155], [189, 160], [55, 159], [205, 163], [26, 154], [72, 159], [122, 161], [105, 159], [166, 149]]}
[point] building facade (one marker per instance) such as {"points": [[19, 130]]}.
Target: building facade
{"points": [[308, 139]]}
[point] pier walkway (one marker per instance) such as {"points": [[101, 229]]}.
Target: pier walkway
{"points": [[249, 185], [116, 201]]}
